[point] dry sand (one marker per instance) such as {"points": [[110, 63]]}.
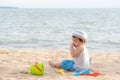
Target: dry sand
{"points": [[14, 64]]}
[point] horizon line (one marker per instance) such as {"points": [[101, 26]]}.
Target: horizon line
{"points": [[60, 7]]}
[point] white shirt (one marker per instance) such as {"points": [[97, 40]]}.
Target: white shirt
{"points": [[82, 61]]}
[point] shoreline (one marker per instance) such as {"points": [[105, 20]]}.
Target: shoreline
{"points": [[15, 63], [41, 49]]}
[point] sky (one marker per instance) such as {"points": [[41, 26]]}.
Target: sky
{"points": [[61, 3]]}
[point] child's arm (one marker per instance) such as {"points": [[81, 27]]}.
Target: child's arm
{"points": [[75, 53]]}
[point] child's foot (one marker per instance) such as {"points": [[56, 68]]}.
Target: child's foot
{"points": [[51, 64]]}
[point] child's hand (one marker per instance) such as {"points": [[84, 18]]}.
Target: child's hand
{"points": [[72, 45]]}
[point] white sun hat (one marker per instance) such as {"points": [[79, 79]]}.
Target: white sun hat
{"points": [[80, 34]]}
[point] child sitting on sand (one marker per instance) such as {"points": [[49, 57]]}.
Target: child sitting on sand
{"points": [[78, 52]]}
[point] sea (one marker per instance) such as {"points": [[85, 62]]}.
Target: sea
{"points": [[51, 28]]}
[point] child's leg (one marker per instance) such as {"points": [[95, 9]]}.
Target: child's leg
{"points": [[56, 65]]}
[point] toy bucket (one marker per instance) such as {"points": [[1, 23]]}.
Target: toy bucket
{"points": [[37, 69]]}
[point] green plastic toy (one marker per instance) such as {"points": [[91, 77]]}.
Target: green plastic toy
{"points": [[37, 69]]}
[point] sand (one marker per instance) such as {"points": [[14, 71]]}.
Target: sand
{"points": [[15, 63]]}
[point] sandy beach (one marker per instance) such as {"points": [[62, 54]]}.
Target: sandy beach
{"points": [[15, 63]]}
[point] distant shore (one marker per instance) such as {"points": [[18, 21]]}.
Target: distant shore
{"points": [[14, 64], [8, 7]]}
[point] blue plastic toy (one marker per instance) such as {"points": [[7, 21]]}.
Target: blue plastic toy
{"points": [[76, 73]]}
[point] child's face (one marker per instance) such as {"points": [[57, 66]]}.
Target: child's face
{"points": [[77, 42]]}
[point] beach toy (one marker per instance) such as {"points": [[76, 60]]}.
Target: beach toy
{"points": [[37, 69], [76, 73], [86, 71], [95, 74], [60, 71]]}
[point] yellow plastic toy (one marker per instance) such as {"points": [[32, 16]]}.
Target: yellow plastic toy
{"points": [[60, 71]]}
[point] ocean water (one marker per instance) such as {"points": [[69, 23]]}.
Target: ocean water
{"points": [[52, 28]]}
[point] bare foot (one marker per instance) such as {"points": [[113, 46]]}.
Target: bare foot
{"points": [[51, 64]]}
